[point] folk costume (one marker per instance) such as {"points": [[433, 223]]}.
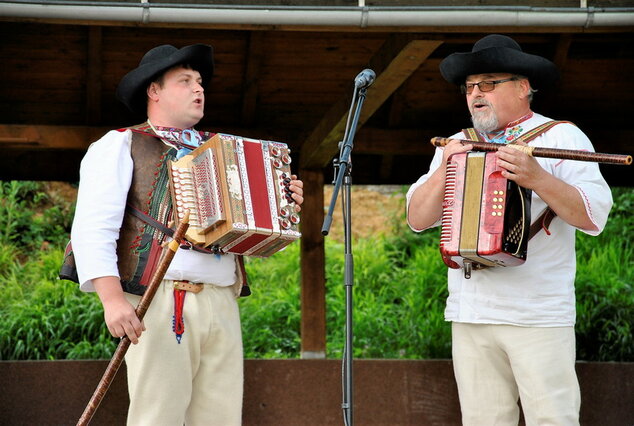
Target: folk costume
{"points": [[187, 367], [513, 327]]}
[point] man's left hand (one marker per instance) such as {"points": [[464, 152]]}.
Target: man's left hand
{"points": [[520, 167], [297, 188]]}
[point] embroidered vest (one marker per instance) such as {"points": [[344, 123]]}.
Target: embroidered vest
{"points": [[139, 245]]}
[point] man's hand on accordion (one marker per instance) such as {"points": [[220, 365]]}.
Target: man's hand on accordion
{"points": [[296, 187], [563, 198], [454, 146], [521, 168]]}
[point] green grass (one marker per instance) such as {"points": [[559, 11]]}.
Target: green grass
{"points": [[399, 292]]}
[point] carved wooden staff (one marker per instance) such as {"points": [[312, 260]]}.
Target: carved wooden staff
{"points": [[534, 151], [141, 309]]}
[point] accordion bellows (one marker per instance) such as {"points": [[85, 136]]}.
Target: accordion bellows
{"points": [[236, 190], [486, 217]]}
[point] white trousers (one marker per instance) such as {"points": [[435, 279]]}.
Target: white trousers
{"points": [[196, 382], [496, 364]]}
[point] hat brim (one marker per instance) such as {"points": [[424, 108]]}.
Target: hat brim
{"points": [[132, 87], [458, 66]]}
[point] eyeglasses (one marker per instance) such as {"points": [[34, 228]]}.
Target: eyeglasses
{"points": [[484, 86]]}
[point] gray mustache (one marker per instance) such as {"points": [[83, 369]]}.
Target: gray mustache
{"points": [[480, 102]]}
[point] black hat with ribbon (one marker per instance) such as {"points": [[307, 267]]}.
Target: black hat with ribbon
{"points": [[497, 53], [132, 87]]}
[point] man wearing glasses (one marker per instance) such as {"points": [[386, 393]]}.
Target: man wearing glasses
{"points": [[513, 327]]}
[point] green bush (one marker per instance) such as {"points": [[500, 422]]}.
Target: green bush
{"points": [[605, 286], [271, 315], [31, 218], [42, 317], [399, 292]]}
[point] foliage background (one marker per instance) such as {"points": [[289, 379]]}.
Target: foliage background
{"points": [[399, 290]]}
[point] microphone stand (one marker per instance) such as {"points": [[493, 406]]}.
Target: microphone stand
{"points": [[343, 170]]}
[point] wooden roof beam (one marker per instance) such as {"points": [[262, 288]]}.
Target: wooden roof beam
{"points": [[393, 63], [375, 140], [17, 136]]}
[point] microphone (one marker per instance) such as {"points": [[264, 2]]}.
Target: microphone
{"points": [[364, 79]]}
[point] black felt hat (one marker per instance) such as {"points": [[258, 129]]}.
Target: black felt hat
{"points": [[497, 53], [132, 87]]}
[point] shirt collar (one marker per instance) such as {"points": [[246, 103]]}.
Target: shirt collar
{"points": [[184, 140], [510, 132]]}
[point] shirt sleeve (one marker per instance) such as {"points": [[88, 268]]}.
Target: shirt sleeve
{"points": [[105, 178], [584, 176], [433, 166]]}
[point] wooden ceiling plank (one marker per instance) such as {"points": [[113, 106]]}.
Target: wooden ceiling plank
{"points": [[407, 142], [397, 108], [385, 168], [393, 63], [93, 76], [561, 51], [255, 54]]}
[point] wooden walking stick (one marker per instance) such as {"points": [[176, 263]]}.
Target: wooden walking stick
{"points": [[141, 309]]}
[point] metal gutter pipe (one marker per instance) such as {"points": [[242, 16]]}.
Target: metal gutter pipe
{"points": [[363, 17]]}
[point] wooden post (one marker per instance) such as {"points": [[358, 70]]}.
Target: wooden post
{"points": [[313, 305]]}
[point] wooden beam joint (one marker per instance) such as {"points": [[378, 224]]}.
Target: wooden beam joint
{"points": [[393, 63]]}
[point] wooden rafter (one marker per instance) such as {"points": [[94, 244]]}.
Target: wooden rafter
{"points": [[395, 61]]}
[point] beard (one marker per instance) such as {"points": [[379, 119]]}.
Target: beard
{"points": [[486, 120]]}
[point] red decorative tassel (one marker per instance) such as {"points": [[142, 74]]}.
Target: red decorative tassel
{"points": [[544, 227], [178, 323]]}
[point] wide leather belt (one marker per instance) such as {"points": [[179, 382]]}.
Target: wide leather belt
{"points": [[188, 286]]}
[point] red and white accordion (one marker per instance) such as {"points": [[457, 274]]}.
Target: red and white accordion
{"points": [[236, 190], [486, 217]]}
